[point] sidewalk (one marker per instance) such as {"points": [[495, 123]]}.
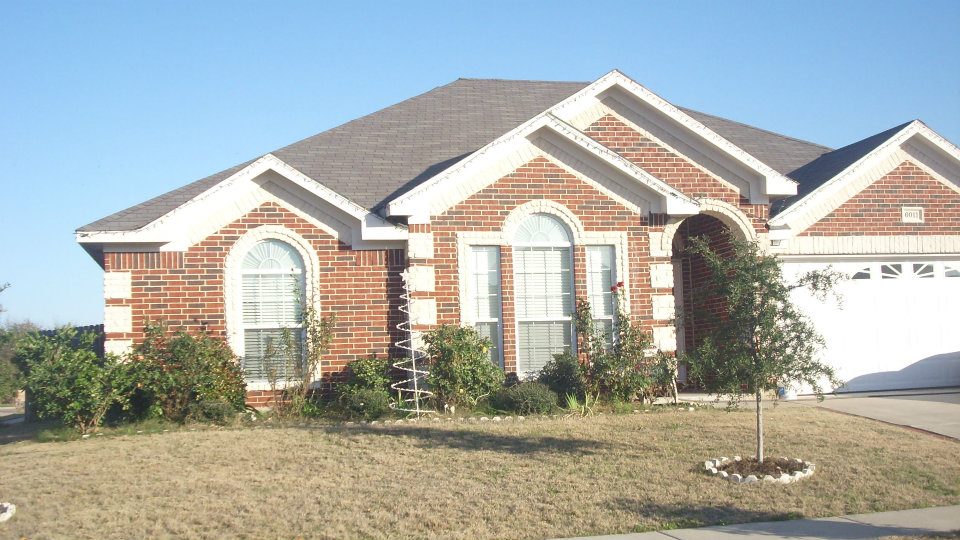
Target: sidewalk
{"points": [[923, 521]]}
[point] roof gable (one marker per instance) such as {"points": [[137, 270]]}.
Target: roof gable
{"points": [[834, 178]]}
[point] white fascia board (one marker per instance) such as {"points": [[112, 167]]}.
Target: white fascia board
{"points": [[795, 213], [675, 203], [776, 184], [417, 201], [169, 227]]}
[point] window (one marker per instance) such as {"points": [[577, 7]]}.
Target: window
{"points": [[601, 277], [543, 269], [484, 294], [890, 271], [951, 271], [273, 293], [922, 270], [863, 273]]}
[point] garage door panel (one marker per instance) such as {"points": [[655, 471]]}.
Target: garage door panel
{"points": [[902, 332]]}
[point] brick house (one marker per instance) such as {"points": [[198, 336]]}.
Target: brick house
{"points": [[503, 201]]}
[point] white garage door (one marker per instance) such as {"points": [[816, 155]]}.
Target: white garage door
{"points": [[898, 326]]}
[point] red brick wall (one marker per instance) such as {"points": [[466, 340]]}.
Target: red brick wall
{"points": [[876, 209], [671, 168], [187, 289], [487, 209]]}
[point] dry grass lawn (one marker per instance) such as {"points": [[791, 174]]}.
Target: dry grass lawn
{"points": [[536, 479]]}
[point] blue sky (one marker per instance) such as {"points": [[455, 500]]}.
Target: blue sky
{"points": [[106, 104]]}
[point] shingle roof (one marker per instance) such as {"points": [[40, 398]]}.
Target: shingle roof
{"points": [[372, 159], [815, 173]]}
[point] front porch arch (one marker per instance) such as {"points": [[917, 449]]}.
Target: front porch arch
{"points": [[731, 216]]}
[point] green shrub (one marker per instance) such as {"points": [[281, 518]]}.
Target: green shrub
{"points": [[620, 371], [525, 398], [10, 381], [460, 368], [175, 373], [366, 403], [211, 410], [369, 373], [66, 379], [564, 375]]}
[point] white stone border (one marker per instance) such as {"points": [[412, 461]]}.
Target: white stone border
{"points": [[710, 466], [7, 510]]}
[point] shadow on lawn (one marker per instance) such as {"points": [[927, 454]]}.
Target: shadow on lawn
{"points": [[739, 521], [460, 439]]}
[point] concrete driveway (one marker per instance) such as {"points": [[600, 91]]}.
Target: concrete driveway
{"points": [[937, 411]]}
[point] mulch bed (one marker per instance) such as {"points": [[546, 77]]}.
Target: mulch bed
{"points": [[774, 466]]}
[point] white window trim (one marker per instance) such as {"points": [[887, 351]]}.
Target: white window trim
{"points": [[233, 284], [614, 279], [467, 306]]}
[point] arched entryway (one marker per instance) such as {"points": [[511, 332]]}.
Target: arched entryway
{"points": [[698, 308]]}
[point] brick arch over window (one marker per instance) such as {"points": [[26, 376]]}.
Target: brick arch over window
{"points": [[233, 285], [555, 209]]}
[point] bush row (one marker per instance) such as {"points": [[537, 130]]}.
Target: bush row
{"points": [[178, 376]]}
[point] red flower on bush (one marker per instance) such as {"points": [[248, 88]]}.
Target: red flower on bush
{"points": [[619, 284], [613, 289]]}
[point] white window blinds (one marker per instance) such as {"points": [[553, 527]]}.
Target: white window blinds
{"points": [[484, 297], [272, 292], [601, 277], [543, 277]]}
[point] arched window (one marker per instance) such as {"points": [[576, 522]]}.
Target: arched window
{"points": [[543, 268], [273, 288]]}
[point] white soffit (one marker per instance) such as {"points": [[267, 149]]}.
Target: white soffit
{"points": [[915, 142], [176, 226]]}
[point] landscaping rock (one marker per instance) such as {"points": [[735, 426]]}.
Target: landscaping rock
{"points": [[708, 464], [785, 478], [7, 510], [769, 479], [752, 479], [484, 419], [737, 458], [724, 474], [735, 478], [497, 419]]}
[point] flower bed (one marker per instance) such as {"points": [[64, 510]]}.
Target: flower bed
{"points": [[748, 471]]}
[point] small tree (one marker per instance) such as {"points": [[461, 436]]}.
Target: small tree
{"points": [[761, 340], [298, 383], [616, 365]]}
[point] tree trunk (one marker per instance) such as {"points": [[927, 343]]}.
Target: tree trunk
{"points": [[759, 429]]}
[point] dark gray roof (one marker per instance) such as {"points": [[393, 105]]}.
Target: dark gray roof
{"points": [[814, 174], [374, 158]]}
